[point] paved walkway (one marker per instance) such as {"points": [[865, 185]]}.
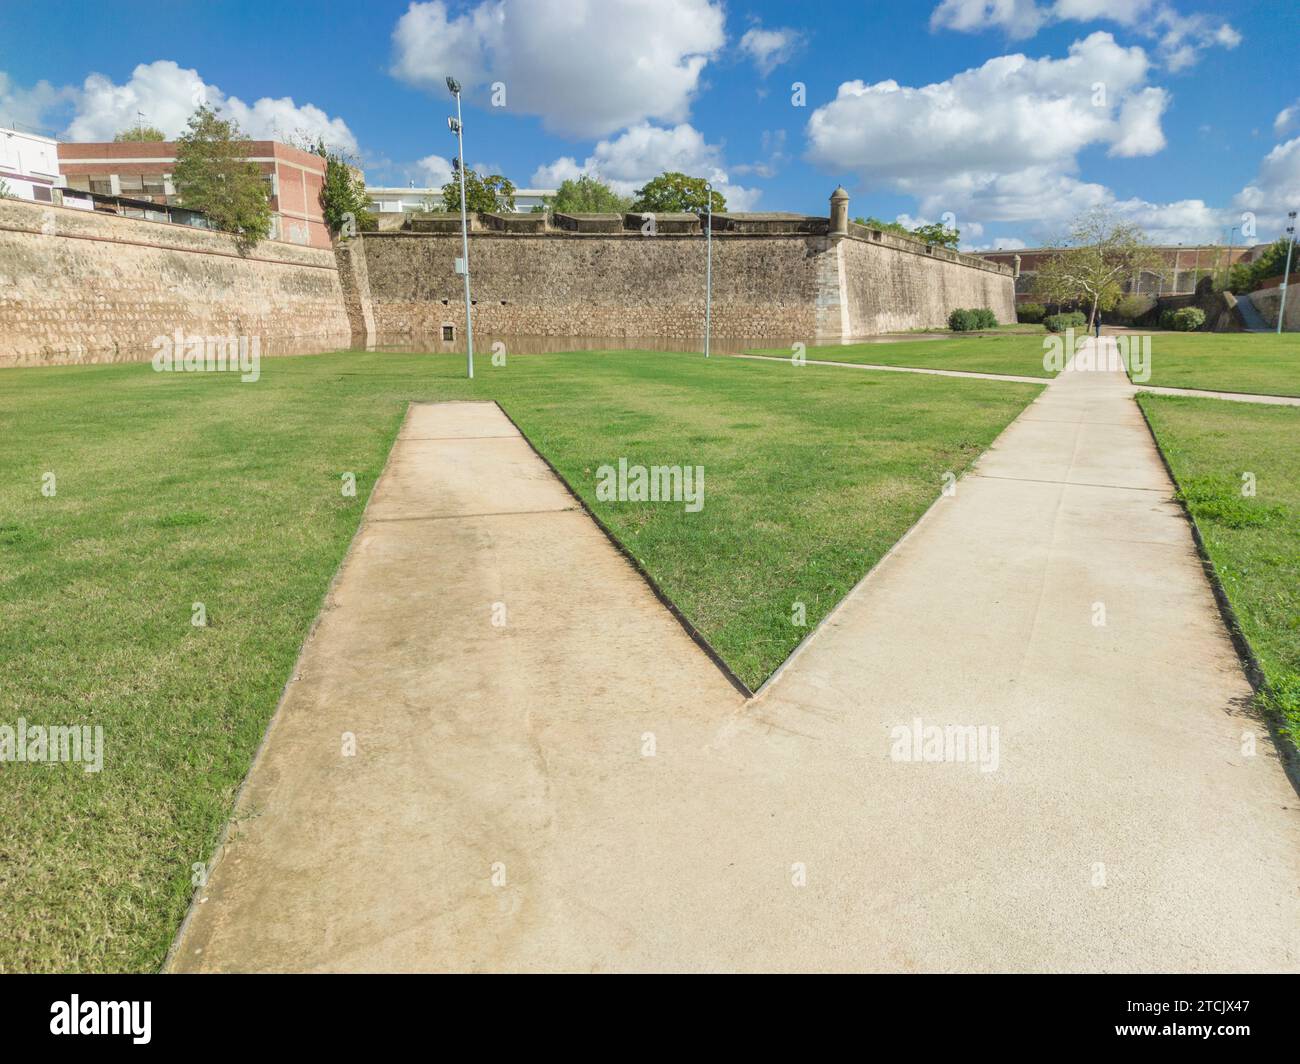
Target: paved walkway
{"points": [[1123, 828], [1195, 393]]}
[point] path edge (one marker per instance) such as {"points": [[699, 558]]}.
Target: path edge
{"points": [[696, 635], [1246, 656], [165, 968]]}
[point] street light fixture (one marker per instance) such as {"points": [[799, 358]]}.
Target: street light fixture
{"points": [[708, 265], [1290, 246], [454, 124]]}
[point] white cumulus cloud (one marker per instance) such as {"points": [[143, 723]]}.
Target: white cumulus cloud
{"points": [[167, 94], [586, 67], [1180, 39], [770, 48], [999, 141], [628, 161]]}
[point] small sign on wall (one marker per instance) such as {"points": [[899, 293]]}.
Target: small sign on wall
{"points": [[460, 265]]}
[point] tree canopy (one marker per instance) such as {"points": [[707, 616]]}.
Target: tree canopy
{"points": [[213, 175], [140, 133], [934, 233], [1092, 262], [486, 193], [343, 196], [674, 193], [587, 195], [1246, 276]]}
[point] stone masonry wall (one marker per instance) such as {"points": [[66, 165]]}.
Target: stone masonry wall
{"points": [[796, 286], [82, 287], [896, 286], [575, 284]]}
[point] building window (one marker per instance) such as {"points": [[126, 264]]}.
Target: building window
{"points": [[449, 332]]}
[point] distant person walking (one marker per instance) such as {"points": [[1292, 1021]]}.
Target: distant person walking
{"points": [[1097, 325]]}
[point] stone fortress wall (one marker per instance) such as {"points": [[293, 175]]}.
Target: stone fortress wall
{"points": [[809, 279], [80, 287], [76, 286]]}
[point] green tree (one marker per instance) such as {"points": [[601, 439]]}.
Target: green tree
{"points": [[675, 193], [938, 233], [587, 195], [4, 189], [343, 196], [1092, 263], [1271, 262], [872, 222], [486, 193], [930, 234], [140, 133], [213, 175]]}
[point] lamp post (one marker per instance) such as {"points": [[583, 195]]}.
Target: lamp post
{"points": [[708, 265], [455, 126], [1290, 246]]}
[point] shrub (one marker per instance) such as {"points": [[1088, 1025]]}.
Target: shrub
{"points": [[962, 321], [976, 318], [1060, 322], [1188, 319], [1031, 313], [1132, 307]]}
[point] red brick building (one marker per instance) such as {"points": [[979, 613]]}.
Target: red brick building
{"points": [[1184, 266], [142, 170]]}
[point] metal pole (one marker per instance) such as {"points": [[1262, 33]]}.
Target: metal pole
{"points": [[708, 267], [1290, 231], [464, 241]]}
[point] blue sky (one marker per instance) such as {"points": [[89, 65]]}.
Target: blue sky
{"points": [[988, 109]]}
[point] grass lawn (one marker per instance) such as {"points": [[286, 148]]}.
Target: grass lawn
{"points": [[1263, 363], [173, 489], [1017, 354], [1253, 541]]}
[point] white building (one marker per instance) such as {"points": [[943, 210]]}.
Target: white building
{"points": [[29, 165], [397, 200]]}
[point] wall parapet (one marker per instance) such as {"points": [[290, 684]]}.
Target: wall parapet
{"points": [[920, 247]]}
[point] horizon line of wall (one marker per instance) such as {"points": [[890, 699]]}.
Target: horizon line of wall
{"points": [[633, 274]]}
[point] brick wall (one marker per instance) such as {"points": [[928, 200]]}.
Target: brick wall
{"points": [[82, 287]]}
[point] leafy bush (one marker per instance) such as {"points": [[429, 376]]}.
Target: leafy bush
{"points": [[1188, 319], [1132, 307], [962, 321], [1246, 276], [1031, 313], [1060, 322], [975, 318]]}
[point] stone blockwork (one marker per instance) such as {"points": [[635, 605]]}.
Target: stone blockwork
{"points": [[774, 276], [81, 287], [595, 284], [76, 286], [894, 284]]}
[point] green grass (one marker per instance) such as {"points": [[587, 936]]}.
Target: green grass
{"points": [[1262, 363], [1254, 542], [181, 488], [1018, 354]]}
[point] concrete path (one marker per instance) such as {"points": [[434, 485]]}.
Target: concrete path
{"points": [[1195, 393], [503, 810], [905, 369]]}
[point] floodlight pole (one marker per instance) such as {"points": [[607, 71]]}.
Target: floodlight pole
{"points": [[708, 266], [1290, 245], [454, 86]]}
